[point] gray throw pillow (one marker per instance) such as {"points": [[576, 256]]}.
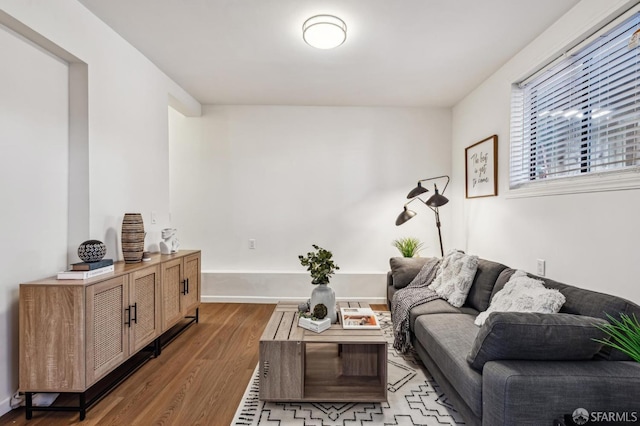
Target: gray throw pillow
{"points": [[404, 269], [536, 336]]}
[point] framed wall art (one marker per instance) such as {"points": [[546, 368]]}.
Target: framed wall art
{"points": [[481, 168]]}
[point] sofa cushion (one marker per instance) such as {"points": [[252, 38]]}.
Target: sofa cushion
{"points": [[449, 338], [455, 276], [538, 392], [523, 294], [580, 301], [535, 336], [404, 269], [482, 286], [437, 306]]}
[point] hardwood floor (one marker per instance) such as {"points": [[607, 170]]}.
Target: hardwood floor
{"points": [[199, 378]]}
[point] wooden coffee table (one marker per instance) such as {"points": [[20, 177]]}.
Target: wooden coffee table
{"points": [[336, 365]]}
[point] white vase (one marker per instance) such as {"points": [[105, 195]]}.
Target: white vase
{"points": [[325, 295]]}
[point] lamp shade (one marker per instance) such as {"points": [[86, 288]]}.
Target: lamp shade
{"points": [[405, 216], [417, 191], [434, 202], [324, 31], [437, 200]]}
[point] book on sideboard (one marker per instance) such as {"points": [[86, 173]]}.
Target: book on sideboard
{"points": [[83, 275], [90, 266]]}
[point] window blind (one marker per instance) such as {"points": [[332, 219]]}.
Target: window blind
{"points": [[581, 115]]}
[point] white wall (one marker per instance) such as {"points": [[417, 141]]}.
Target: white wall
{"points": [[292, 176], [589, 240], [127, 123], [33, 175], [126, 130], [286, 176]]}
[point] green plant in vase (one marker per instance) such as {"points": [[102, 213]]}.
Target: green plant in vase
{"points": [[320, 265], [408, 246]]}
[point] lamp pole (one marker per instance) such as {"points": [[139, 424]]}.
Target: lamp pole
{"points": [[439, 233]]}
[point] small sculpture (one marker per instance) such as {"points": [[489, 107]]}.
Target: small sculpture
{"points": [[170, 243], [304, 306], [320, 311]]}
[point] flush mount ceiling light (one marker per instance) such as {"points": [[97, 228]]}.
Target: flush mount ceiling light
{"points": [[324, 31]]}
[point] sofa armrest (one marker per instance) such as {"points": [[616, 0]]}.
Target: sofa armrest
{"points": [[389, 279], [538, 392]]}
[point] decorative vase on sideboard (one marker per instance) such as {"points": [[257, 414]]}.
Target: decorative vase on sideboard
{"points": [[132, 237], [92, 251], [325, 295]]}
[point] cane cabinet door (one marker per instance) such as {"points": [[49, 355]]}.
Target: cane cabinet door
{"points": [[144, 305], [172, 289], [107, 320], [191, 286]]}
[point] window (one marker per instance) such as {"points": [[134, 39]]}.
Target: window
{"points": [[580, 115]]}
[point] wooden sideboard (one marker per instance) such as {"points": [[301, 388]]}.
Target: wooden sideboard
{"points": [[73, 333]]}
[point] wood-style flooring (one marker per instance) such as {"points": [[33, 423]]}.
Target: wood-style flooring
{"points": [[199, 378]]}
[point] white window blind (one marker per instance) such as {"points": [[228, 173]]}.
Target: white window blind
{"points": [[581, 115]]}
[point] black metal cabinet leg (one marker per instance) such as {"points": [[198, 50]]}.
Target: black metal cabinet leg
{"points": [[28, 405], [157, 347], [197, 314], [83, 405]]}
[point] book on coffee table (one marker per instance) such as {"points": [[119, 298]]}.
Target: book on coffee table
{"points": [[315, 325], [358, 318]]}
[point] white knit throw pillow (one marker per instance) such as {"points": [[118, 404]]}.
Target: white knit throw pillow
{"points": [[523, 294], [455, 277]]}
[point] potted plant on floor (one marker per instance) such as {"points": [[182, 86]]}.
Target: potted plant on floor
{"points": [[321, 266]]}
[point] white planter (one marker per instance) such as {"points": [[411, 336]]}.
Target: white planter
{"points": [[325, 295]]}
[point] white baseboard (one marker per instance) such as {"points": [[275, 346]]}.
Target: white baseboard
{"points": [[5, 406], [274, 286], [274, 299]]}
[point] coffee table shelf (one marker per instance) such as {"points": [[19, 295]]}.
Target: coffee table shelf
{"points": [[335, 365]]}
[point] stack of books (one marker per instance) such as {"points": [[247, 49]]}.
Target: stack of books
{"points": [[84, 270], [315, 325]]}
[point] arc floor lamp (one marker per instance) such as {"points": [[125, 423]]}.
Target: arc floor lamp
{"points": [[434, 202]]}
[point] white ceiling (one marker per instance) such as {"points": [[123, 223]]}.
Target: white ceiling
{"points": [[397, 53]]}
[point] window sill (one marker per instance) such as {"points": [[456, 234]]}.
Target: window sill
{"points": [[599, 182]]}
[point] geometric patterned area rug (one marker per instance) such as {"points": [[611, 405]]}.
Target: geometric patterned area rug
{"points": [[413, 398]]}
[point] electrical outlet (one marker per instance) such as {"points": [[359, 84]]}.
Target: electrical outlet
{"points": [[541, 267], [154, 217], [252, 244]]}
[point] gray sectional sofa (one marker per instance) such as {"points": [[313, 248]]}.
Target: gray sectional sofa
{"points": [[515, 379]]}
